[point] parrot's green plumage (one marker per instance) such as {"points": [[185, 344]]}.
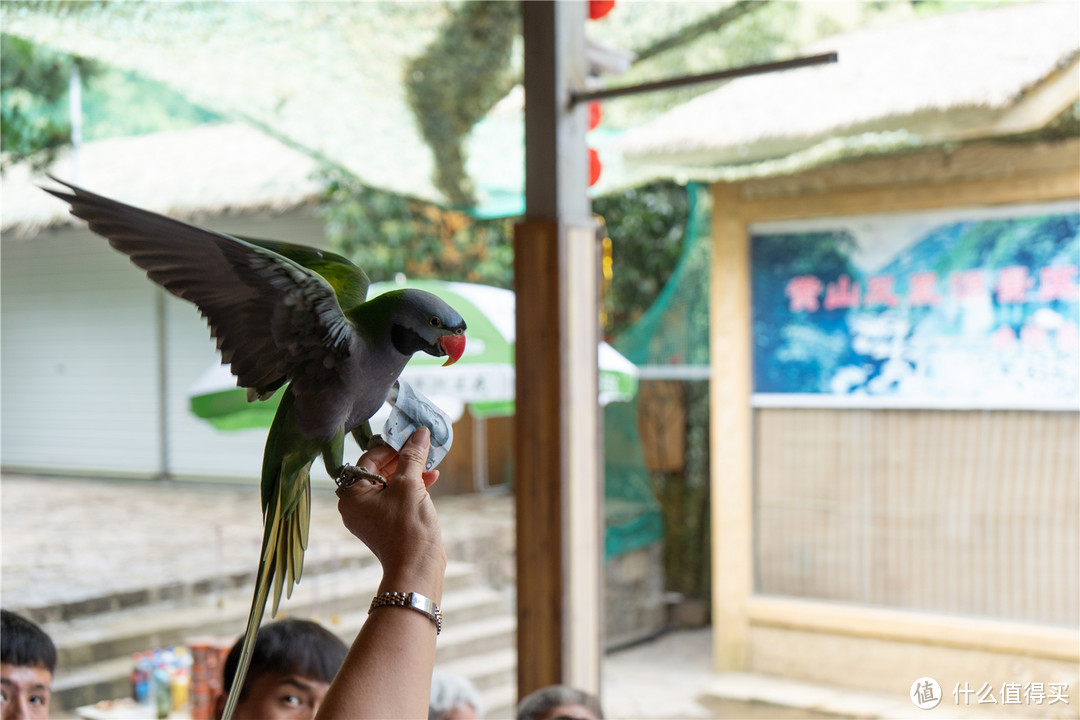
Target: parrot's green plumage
{"points": [[284, 313]]}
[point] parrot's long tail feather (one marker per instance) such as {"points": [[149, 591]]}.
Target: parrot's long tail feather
{"points": [[267, 564], [292, 540], [285, 536]]}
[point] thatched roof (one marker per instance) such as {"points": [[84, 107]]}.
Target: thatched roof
{"points": [[325, 75], [328, 75], [184, 173], [954, 77]]}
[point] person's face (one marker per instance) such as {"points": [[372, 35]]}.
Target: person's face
{"points": [[279, 697], [577, 712], [25, 692]]}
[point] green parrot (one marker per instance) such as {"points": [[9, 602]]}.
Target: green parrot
{"points": [[284, 313]]}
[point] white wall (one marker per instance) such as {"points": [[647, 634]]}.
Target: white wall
{"points": [[79, 365], [80, 368]]}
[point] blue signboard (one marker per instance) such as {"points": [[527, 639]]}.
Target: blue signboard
{"points": [[947, 309]]}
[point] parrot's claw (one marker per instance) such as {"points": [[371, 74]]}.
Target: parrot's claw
{"points": [[375, 441], [351, 474]]}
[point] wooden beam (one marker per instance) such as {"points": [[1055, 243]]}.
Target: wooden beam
{"points": [[967, 633], [1061, 185], [557, 477], [1004, 168]]}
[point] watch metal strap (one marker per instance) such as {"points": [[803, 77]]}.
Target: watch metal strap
{"points": [[413, 600]]}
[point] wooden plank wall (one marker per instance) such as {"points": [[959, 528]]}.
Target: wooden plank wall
{"points": [[969, 512]]}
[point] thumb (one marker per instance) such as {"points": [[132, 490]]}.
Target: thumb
{"points": [[414, 453]]}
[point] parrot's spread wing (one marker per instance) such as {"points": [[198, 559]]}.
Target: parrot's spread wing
{"points": [[350, 283], [272, 317], [278, 311]]}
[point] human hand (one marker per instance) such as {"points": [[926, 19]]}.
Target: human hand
{"points": [[398, 522]]}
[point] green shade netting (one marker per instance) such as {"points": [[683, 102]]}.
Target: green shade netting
{"points": [[674, 331]]}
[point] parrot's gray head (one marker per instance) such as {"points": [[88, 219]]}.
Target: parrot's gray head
{"points": [[422, 321]]}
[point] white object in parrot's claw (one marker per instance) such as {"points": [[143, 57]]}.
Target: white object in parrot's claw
{"points": [[412, 410]]}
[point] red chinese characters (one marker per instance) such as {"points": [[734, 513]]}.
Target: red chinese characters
{"points": [[842, 294], [968, 284], [803, 292], [879, 291], [1056, 283], [1013, 284], [922, 290]]}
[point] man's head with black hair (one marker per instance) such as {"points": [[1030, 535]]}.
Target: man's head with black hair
{"points": [[27, 664], [292, 665]]}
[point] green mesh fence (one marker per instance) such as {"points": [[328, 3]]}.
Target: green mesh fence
{"points": [[673, 332], [632, 516]]}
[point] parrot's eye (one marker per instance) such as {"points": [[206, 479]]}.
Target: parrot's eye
{"points": [[435, 322]]}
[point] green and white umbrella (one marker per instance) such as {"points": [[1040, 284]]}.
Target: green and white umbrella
{"points": [[483, 378]]}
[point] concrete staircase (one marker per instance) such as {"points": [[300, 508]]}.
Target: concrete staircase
{"points": [[95, 647]]}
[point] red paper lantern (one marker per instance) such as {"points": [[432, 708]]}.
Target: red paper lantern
{"points": [[600, 8], [595, 114], [594, 167]]}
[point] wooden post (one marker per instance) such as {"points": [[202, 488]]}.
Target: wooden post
{"points": [[557, 445], [732, 466]]}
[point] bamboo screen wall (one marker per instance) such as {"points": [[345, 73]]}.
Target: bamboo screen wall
{"points": [[968, 512]]}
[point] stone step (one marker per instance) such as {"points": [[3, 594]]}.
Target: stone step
{"points": [[500, 703], [121, 633], [193, 589], [487, 671], [781, 697], [95, 653], [476, 638], [181, 592]]}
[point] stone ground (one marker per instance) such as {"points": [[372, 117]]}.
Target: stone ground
{"points": [[67, 542]]}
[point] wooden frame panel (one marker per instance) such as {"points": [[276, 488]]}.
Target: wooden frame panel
{"points": [[977, 175]]}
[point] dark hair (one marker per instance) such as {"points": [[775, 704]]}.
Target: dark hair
{"points": [[289, 647], [24, 643], [540, 702]]}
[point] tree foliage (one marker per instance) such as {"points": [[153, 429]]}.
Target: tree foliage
{"points": [[33, 100], [457, 80], [647, 227], [386, 234]]}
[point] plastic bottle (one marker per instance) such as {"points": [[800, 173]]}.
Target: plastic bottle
{"points": [[181, 678], [138, 679], [162, 691], [141, 680]]}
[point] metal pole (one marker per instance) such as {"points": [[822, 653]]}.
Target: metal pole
{"points": [[807, 61], [75, 117]]}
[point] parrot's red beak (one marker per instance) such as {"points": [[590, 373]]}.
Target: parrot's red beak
{"points": [[454, 346]]}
